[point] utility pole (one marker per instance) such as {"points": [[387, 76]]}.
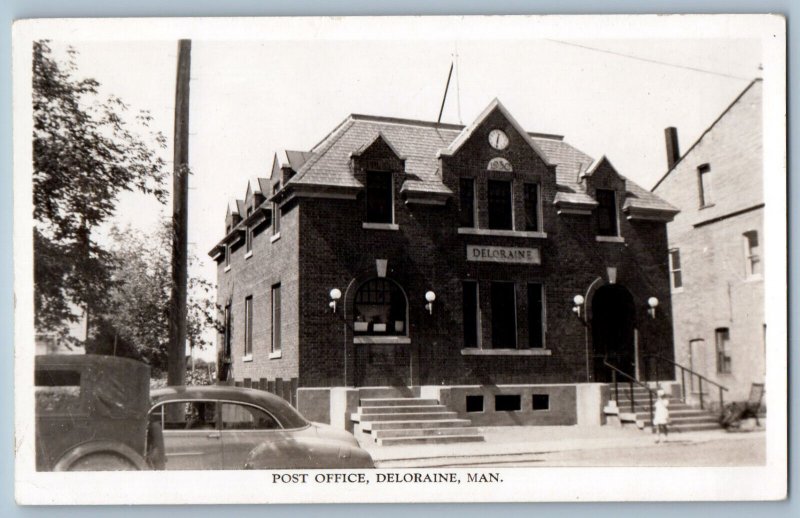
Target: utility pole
{"points": [[176, 357]]}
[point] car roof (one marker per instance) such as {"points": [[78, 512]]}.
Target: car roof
{"points": [[279, 407]]}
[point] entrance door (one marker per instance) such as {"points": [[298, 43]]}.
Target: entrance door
{"points": [[613, 324], [380, 331]]}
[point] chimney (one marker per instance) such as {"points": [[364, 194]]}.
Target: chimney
{"points": [[673, 151]]}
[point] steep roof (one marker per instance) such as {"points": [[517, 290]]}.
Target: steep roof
{"points": [[421, 142]]}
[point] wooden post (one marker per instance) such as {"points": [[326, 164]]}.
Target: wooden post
{"points": [[176, 356]]}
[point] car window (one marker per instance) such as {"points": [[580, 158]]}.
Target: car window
{"points": [[246, 417], [58, 391], [186, 415]]}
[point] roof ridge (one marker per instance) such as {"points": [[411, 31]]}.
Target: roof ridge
{"points": [[705, 132], [408, 122]]}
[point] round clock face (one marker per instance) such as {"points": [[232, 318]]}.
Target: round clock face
{"points": [[498, 139]]}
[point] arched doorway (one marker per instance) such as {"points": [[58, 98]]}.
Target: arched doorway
{"points": [[613, 331], [380, 334]]}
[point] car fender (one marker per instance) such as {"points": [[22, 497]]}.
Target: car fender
{"points": [[96, 447], [307, 453]]}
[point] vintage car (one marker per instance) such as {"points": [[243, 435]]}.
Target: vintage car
{"points": [[223, 427], [91, 413]]}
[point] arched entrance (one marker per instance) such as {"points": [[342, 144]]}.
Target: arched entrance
{"points": [[380, 334], [613, 324]]}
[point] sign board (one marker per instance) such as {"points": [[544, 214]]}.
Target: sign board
{"points": [[503, 254]]}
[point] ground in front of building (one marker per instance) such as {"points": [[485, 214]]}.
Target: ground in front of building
{"points": [[582, 446]]}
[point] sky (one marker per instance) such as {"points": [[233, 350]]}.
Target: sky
{"points": [[611, 97]]}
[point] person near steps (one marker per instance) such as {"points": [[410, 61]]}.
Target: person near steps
{"points": [[661, 415]]}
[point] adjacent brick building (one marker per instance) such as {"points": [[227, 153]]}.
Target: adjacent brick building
{"points": [[716, 248], [411, 254]]}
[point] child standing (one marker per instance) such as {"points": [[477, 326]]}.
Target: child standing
{"points": [[661, 415]]}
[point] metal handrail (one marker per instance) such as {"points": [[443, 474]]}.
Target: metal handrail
{"points": [[631, 382], [700, 378]]}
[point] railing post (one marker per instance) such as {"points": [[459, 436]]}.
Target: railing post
{"points": [[721, 401], [700, 385], [630, 391], [616, 387], [683, 385], [650, 397]]}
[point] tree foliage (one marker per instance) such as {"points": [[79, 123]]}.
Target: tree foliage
{"points": [[135, 323], [86, 151]]}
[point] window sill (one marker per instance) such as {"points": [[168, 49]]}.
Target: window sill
{"points": [[275, 237], [275, 355], [506, 352], [248, 255], [380, 226], [247, 358], [609, 239], [227, 268], [493, 232], [381, 340]]}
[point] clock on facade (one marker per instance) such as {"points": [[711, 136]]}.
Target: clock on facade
{"points": [[498, 139]]}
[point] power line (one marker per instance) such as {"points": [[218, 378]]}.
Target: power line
{"points": [[654, 61]]}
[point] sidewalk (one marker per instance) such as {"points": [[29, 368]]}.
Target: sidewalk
{"points": [[511, 443]]}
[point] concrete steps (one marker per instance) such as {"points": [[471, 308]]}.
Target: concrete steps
{"points": [[683, 417], [410, 420]]}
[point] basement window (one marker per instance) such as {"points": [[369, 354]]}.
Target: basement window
{"points": [[507, 403], [474, 403], [541, 402]]}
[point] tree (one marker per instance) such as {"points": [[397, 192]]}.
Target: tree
{"points": [[85, 153], [135, 323]]}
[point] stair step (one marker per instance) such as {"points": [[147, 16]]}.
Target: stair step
{"points": [[419, 432], [419, 416], [408, 409], [415, 423], [400, 401], [430, 439], [696, 427]]}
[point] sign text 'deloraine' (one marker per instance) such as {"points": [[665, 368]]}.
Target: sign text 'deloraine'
{"points": [[503, 254]]}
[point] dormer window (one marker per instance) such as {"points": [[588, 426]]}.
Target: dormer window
{"points": [[227, 256], [276, 212], [380, 197], [500, 207], [606, 213]]}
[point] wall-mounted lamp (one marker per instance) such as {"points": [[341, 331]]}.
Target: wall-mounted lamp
{"points": [[653, 303], [430, 297], [577, 302], [335, 295]]}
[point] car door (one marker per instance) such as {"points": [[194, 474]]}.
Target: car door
{"points": [[191, 434], [244, 427]]}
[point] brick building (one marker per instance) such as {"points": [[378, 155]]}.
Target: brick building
{"points": [[438, 259], [716, 247]]}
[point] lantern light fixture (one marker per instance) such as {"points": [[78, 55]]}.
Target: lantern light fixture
{"points": [[335, 295], [430, 297]]}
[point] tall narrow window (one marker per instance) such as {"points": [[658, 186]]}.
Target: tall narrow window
{"points": [[466, 193], [532, 207], [276, 211], [470, 309], [606, 212], [499, 200], [704, 181], [276, 318], [723, 339], [248, 236], [752, 253], [228, 331], [248, 326], [227, 256], [379, 197], [676, 276], [535, 316], [504, 315]]}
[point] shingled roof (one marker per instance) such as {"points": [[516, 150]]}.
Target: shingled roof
{"points": [[421, 142]]}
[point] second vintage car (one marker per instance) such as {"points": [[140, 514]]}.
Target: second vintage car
{"points": [[222, 427]]}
